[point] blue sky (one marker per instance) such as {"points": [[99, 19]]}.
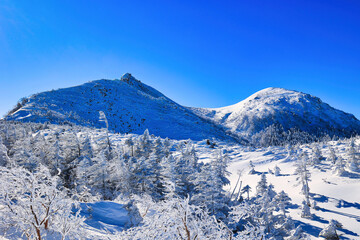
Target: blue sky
{"points": [[199, 53]]}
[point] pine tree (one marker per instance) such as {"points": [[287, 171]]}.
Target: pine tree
{"points": [[169, 177], [130, 143], [98, 177], [277, 171], [220, 165], [262, 186], [329, 232], [33, 204], [209, 192], [339, 168], [252, 167], [247, 190], [283, 201], [87, 148], [102, 118], [297, 234], [145, 144], [316, 155], [4, 158], [303, 176], [167, 146], [176, 218], [305, 210], [332, 156], [353, 161]]}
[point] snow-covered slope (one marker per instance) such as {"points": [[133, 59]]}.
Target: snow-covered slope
{"points": [[333, 193], [336, 196], [290, 109], [130, 107]]}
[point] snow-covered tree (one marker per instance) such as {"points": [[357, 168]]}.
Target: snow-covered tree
{"points": [[219, 165], [305, 210], [303, 176], [316, 155], [332, 156], [33, 204], [252, 167], [353, 155], [260, 214], [283, 201], [290, 151], [329, 232], [130, 143], [145, 144], [87, 150], [177, 219], [277, 171], [103, 118], [339, 168], [297, 234], [4, 158], [209, 192], [169, 176], [97, 176], [262, 186], [246, 189]]}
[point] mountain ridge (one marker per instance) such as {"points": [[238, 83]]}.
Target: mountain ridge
{"points": [[130, 107], [133, 106], [288, 108]]}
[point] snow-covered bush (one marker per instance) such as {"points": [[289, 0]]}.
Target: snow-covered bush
{"points": [[176, 218], [329, 232], [33, 205]]}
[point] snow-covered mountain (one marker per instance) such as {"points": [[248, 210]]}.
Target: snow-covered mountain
{"points": [[129, 105], [290, 109]]}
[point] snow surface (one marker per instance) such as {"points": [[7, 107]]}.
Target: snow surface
{"points": [[336, 197], [105, 215]]}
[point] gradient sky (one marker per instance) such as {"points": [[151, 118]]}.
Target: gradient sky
{"points": [[199, 53]]}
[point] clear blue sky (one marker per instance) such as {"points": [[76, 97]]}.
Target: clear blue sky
{"points": [[199, 53]]}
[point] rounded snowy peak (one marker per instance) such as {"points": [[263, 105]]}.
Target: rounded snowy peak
{"points": [[269, 98], [271, 91], [279, 106]]}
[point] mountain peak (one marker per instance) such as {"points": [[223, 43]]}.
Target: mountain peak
{"points": [[130, 106], [137, 84], [129, 79], [274, 92], [288, 108]]}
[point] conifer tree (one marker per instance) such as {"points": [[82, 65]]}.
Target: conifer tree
{"points": [[261, 186], [329, 232], [4, 158], [252, 167], [339, 167], [303, 176], [277, 171], [305, 210], [332, 156], [353, 161], [247, 190]]}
